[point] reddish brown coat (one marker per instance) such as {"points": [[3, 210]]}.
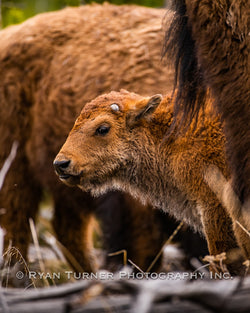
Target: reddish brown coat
{"points": [[210, 42], [128, 149]]}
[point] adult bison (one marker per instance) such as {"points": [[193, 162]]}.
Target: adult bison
{"points": [[209, 41], [50, 66], [119, 141]]}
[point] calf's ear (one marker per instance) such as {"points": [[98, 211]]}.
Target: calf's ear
{"points": [[144, 109]]}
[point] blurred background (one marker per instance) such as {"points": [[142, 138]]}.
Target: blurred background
{"points": [[16, 11]]}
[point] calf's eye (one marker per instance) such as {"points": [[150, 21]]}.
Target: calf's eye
{"points": [[102, 130]]}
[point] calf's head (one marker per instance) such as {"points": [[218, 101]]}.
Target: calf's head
{"points": [[104, 141]]}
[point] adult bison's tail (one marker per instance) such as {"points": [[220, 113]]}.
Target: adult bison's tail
{"points": [[179, 47]]}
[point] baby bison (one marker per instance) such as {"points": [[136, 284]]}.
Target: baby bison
{"points": [[119, 142]]}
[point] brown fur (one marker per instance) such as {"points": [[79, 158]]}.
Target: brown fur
{"points": [[215, 36], [134, 156], [50, 66]]}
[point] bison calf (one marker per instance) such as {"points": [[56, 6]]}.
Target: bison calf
{"points": [[119, 142]]}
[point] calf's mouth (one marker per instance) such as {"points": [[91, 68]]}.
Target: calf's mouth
{"points": [[64, 172], [70, 180]]}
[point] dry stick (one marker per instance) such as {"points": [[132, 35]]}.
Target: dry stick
{"points": [[125, 255], [51, 241], [166, 243], [6, 264], [37, 248], [201, 268], [247, 265], [2, 234], [8, 271], [66, 252], [8, 162], [242, 227], [136, 266]]}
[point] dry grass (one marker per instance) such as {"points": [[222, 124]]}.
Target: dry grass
{"points": [[47, 255], [7, 163]]}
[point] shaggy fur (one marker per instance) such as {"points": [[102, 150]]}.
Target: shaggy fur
{"points": [[125, 149], [50, 66], [210, 43]]}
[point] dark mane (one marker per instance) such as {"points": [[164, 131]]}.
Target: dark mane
{"points": [[179, 47]]}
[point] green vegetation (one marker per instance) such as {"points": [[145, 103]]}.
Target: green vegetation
{"points": [[16, 11]]}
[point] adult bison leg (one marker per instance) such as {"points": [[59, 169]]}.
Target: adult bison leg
{"points": [[19, 198], [128, 225], [219, 233], [72, 224]]}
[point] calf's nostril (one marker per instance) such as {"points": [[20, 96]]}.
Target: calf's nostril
{"points": [[64, 164], [60, 166]]}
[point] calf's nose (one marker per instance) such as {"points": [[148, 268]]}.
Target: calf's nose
{"points": [[61, 166]]}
